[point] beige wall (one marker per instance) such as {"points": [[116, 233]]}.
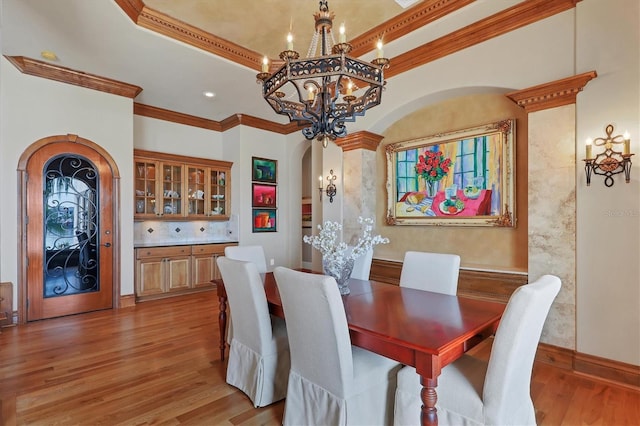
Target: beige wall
{"points": [[479, 247], [34, 108]]}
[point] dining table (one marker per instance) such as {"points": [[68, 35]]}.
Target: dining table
{"points": [[422, 329]]}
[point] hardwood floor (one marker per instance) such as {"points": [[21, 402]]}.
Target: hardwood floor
{"points": [[159, 363]]}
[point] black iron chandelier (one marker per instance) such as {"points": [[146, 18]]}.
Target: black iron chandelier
{"points": [[326, 91]]}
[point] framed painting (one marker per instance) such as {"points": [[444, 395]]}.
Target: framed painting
{"points": [[263, 195], [264, 220], [460, 178], [264, 170]]}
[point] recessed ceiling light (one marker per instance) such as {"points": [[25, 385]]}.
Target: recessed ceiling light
{"points": [[49, 55], [208, 94]]}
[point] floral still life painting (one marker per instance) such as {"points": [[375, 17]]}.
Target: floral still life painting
{"points": [[464, 177], [337, 257]]}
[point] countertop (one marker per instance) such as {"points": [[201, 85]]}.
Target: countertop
{"points": [[147, 244]]}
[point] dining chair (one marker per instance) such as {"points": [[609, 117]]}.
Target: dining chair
{"points": [[362, 265], [253, 254], [430, 271], [259, 349], [331, 382], [471, 391]]}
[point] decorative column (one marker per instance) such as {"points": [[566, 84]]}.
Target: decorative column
{"points": [[359, 171], [552, 196]]}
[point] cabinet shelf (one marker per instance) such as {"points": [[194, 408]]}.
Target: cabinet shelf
{"points": [[189, 188]]}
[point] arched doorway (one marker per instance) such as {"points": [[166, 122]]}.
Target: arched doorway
{"points": [[69, 229]]}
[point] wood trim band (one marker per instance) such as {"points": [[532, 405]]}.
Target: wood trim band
{"points": [[550, 95], [218, 126], [611, 371], [515, 17], [413, 18], [485, 285], [163, 156], [258, 123], [179, 30], [175, 117], [70, 76], [359, 140]]}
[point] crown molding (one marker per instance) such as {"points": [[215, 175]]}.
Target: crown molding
{"points": [[410, 20], [515, 17], [175, 117], [178, 30], [553, 94], [363, 139], [218, 126], [77, 78]]}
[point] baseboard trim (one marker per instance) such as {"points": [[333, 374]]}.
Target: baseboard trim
{"points": [[127, 301]]}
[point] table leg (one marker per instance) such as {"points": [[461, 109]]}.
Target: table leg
{"points": [[428, 415], [222, 323]]}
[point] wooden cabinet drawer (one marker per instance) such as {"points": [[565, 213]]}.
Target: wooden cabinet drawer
{"points": [[209, 249], [142, 253]]}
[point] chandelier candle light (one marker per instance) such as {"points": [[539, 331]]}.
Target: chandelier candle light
{"points": [[337, 257], [320, 93]]}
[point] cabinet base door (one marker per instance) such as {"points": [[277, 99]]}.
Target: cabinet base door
{"points": [[150, 277]]}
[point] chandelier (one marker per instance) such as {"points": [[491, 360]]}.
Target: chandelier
{"points": [[323, 92]]}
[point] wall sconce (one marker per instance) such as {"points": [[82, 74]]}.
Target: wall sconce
{"points": [[609, 162], [331, 187]]}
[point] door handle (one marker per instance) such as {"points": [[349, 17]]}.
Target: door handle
{"points": [[107, 244]]}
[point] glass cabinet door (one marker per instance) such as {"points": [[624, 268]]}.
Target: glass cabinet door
{"points": [[217, 200], [196, 190], [172, 189], [145, 188]]}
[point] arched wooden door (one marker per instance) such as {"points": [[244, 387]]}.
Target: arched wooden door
{"points": [[69, 229]]}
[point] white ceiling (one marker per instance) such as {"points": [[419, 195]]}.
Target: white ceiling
{"points": [[97, 37]]}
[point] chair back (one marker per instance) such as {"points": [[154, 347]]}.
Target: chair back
{"points": [[430, 271], [317, 327], [248, 303], [362, 265], [254, 254], [506, 393]]}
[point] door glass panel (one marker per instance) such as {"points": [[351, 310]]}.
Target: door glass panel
{"points": [[70, 226]]}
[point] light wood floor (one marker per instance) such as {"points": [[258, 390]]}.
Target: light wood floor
{"points": [[159, 363]]}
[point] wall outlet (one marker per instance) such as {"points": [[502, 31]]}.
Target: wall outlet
{"points": [[271, 262]]}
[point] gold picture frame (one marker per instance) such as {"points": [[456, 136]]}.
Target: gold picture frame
{"points": [[459, 178]]}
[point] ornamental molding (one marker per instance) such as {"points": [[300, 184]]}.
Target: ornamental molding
{"points": [[553, 94]]}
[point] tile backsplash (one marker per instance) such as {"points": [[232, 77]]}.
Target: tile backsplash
{"points": [[166, 232]]}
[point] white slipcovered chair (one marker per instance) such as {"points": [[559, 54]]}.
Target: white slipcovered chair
{"points": [[475, 392], [330, 382], [430, 271], [253, 254], [259, 350], [362, 265]]}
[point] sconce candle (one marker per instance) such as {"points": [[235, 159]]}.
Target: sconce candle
{"points": [[589, 147], [627, 143]]}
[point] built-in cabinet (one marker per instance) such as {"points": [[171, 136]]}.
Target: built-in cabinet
{"points": [[174, 187], [165, 271]]}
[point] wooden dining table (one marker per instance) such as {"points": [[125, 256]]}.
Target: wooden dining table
{"points": [[422, 329]]}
